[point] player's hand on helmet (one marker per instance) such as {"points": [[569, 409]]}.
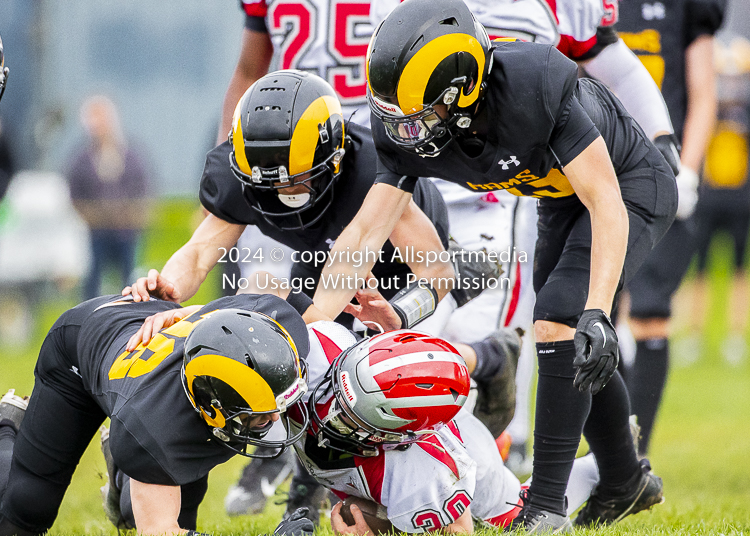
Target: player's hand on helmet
{"points": [[339, 526], [155, 285], [374, 308], [597, 352], [155, 323], [687, 193]]}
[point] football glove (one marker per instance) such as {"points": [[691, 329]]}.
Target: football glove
{"points": [[471, 268], [296, 524], [597, 353]]}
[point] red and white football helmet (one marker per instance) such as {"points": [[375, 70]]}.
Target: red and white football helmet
{"points": [[388, 390]]}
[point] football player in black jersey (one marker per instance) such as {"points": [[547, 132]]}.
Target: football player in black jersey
{"points": [[674, 40], [512, 115], [197, 394]]}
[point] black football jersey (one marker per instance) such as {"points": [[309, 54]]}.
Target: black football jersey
{"points": [[539, 117], [156, 436], [659, 32], [222, 195]]}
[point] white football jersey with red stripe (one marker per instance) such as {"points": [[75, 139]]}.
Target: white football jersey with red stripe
{"points": [[326, 37], [568, 24], [428, 485]]}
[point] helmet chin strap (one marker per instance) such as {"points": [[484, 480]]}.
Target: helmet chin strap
{"points": [[294, 201]]}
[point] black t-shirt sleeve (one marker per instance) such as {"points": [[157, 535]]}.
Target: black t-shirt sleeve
{"points": [[220, 192], [573, 129], [256, 24], [387, 160], [407, 183], [703, 17]]}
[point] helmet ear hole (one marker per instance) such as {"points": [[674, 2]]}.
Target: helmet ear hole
{"points": [[450, 21]]}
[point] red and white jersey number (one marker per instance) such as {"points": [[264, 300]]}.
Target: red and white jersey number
{"points": [[328, 37]]}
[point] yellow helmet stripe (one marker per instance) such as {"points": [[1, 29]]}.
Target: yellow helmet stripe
{"points": [[248, 383], [416, 75], [238, 139], [305, 136]]}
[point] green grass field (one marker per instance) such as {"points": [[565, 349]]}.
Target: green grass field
{"points": [[701, 446]]}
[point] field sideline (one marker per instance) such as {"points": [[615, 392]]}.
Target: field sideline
{"points": [[701, 446]]}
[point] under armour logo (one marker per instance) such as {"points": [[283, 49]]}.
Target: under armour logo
{"points": [[511, 161], [653, 11], [74, 370], [330, 242]]}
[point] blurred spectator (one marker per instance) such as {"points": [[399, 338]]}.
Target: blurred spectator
{"points": [[724, 202], [108, 187]]}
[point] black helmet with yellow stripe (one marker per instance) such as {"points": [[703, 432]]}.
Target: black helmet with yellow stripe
{"points": [[3, 70], [240, 368], [427, 65], [287, 145]]}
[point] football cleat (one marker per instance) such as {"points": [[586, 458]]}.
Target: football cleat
{"points": [[605, 506], [532, 521], [297, 524], [13, 408], [259, 481], [496, 396], [110, 492]]}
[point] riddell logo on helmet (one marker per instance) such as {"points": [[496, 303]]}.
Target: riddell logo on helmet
{"points": [[387, 108], [348, 392], [290, 394]]}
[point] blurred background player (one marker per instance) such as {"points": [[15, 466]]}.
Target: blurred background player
{"points": [[675, 41], [6, 163], [583, 31], [724, 202], [108, 182]]}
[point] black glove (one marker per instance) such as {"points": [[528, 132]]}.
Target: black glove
{"points": [[296, 524], [474, 270], [597, 352], [669, 147]]}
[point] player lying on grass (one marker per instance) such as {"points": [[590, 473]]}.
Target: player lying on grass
{"points": [[203, 390], [386, 427]]}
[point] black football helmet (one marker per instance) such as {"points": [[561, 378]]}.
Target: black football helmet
{"points": [[288, 130], [424, 54], [239, 365], [3, 70]]}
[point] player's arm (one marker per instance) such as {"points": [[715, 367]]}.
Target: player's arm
{"points": [[367, 232], [415, 229], [621, 70], [255, 57], [156, 508], [700, 81], [184, 272], [593, 178]]}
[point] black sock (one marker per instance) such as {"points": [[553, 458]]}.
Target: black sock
{"points": [[646, 384], [489, 360], [607, 431], [561, 411]]}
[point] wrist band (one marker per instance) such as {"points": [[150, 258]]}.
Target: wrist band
{"points": [[414, 303]]}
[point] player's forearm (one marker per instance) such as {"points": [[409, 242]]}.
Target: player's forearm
{"points": [[622, 71], [366, 234], [156, 508], [701, 105], [186, 270], [609, 231], [338, 281]]}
